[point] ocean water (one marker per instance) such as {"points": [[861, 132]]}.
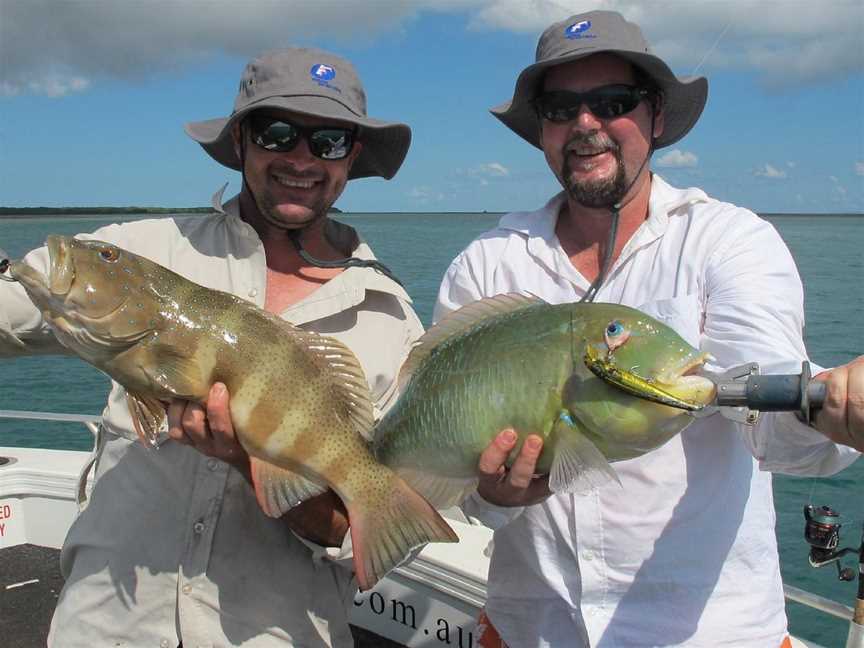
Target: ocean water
{"points": [[418, 248]]}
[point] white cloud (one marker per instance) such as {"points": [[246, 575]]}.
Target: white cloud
{"points": [[785, 41], [677, 159], [489, 169], [425, 194], [859, 168], [769, 171]]}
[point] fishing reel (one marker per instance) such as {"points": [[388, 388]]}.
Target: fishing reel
{"points": [[822, 533]]}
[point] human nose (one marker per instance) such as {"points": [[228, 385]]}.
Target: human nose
{"points": [[585, 119], [301, 155]]}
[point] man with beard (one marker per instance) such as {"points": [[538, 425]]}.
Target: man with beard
{"points": [[683, 551], [172, 547]]}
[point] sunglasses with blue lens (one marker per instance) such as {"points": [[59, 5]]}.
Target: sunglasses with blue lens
{"points": [[605, 102], [281, 136]]}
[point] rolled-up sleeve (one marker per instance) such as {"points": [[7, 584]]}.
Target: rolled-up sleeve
{"points": [[755, 312]]}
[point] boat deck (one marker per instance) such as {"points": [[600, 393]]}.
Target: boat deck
{"points": [[30, 584]]}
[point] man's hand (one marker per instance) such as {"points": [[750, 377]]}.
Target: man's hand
{"points": [[208, 429], [516, 486], [841, 418], [321, 519]]}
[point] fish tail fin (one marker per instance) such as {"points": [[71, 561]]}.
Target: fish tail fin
{"points": [[384, 533]]}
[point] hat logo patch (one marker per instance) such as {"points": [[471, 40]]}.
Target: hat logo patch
{"points": [[323, 74], [578, 29]]}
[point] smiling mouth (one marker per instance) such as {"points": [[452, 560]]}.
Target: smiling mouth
{"points": [[292, 182]]}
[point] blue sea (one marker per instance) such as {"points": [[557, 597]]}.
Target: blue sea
{"points": [[418, 248]]}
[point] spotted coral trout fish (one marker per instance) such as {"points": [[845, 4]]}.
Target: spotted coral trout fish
{"points": [[598, 382], [299, 401]]}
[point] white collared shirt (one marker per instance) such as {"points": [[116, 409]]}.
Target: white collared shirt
{"points": [[684, 552], [172, 544]]}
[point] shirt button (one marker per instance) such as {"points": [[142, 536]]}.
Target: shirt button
{"points": [[253, 292], [187, 588], [198, 527], [212, 464], [164, 643], [587, 555]]}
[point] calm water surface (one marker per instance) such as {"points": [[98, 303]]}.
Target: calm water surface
{"points": [[418, 248]]}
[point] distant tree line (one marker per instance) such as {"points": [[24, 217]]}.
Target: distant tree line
{"points": [[77, 211]]}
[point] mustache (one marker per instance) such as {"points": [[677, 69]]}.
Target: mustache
{"points": [[596, 141]]}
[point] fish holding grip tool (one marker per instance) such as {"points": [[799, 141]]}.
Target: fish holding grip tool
{"points": [[743, 393]]}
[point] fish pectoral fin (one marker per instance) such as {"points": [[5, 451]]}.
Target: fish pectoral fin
{"points": [[174, 371], [148, 415], [440, 492], [278, 489], [578, 465]]}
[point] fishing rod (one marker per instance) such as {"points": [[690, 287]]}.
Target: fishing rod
{"points": [[822, 533]]}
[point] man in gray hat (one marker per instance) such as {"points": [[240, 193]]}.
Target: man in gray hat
{"points": [[683, 551], [172, 546]]}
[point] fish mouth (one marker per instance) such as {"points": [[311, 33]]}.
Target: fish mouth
{"points": [[679, 387]]}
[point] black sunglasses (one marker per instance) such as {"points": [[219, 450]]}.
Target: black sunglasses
{"points": [[280, 136], [605, 102]]}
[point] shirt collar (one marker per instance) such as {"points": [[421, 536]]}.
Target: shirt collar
{"points": [[345, 290], [664, 201]]}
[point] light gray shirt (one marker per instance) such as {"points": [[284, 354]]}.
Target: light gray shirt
{"points": [[172, 544]]}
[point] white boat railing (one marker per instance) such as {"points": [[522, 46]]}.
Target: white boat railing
{"points": [[471, 591]]}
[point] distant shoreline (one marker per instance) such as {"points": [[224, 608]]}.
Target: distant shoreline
{"points": [[30, 212]]}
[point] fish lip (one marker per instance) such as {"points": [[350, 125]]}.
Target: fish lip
{"points": [[61, 273], [691, 366]]}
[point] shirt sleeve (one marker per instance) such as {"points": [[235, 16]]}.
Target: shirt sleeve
{"points": [[755, 312], [461, 285]]}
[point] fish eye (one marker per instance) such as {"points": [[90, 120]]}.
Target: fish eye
{"points": [[615, 335], [109, 254]]}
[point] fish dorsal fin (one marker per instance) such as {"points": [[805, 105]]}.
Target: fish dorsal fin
{"points": [[578, 466], [349, 379], [460, 321]]}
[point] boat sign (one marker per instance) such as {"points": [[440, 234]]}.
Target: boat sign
{"points": [[11, 523]]}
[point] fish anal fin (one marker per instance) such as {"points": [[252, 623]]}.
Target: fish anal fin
{"points": [[278, 489], [148, 415], [384, 533], [578, 465], [458, 322]]}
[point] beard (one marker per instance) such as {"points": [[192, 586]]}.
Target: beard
{"points": [[595, 193]]}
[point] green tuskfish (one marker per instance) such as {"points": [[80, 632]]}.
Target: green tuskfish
{"points": [[299, 401], [559, 371]]}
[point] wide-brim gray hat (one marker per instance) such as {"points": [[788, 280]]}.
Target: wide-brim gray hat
{"points": [[591, 33], [313, 83]]}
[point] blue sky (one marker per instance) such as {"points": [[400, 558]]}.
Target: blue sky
{"points": [[93, 96]]}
